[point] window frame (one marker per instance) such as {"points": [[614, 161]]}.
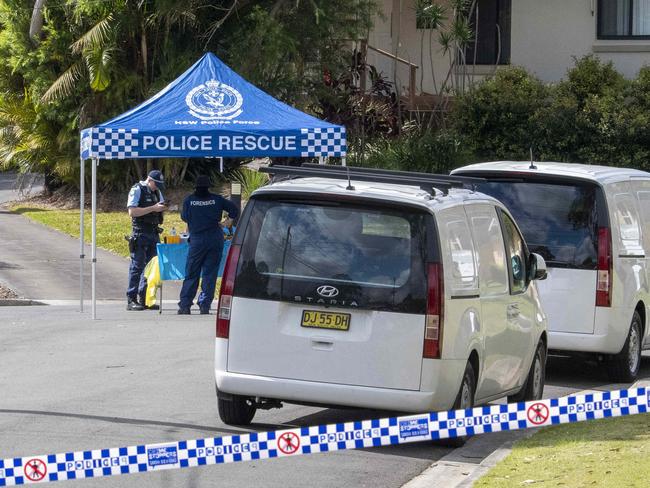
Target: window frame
{"points": [[599, 26], [511, 277]]}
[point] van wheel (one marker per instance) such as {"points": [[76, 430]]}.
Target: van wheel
{"points": [[235, 409], [465, 399], [533, 389], [624, 366]]}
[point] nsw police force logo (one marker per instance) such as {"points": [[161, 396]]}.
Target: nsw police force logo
{"points": [[214, 100]]}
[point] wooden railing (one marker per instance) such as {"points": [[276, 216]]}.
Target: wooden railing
{"points": [[412, 70]]}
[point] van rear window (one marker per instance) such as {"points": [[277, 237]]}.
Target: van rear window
{"points": [[559, 221], [373, 256]]}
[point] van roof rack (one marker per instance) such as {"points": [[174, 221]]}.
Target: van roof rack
{"points": [[426, 181]]}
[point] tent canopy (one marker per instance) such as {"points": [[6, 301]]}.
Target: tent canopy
{"points": [[211, 111]]}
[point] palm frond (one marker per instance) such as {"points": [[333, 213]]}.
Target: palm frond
{"points": [[64, 85], [97, 35], [97, 62], [250, 180]]}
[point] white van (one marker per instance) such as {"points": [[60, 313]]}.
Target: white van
{"points": [[376, 293], [592, 226]]}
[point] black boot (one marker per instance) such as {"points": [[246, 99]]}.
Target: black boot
{"points": [[133, 305]]}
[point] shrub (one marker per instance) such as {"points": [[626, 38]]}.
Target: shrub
{"points": [[426, 151], [593, 116], [591, 77], [496, 115]]}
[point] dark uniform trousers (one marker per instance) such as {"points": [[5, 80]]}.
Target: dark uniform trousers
{"points": [[202, 262], [144, 238], [144, 249]]}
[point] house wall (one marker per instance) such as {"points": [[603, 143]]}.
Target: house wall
{"points": [[545, 37], [397, 33]]}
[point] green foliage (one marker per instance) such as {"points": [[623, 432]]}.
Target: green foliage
{"points": [[250, 181], [497, 114], [93, 60], [593, 116], [416, 150], [590, 77]]}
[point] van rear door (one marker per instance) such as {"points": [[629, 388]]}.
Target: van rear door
{"points": [[559, 219], [331, 291]]}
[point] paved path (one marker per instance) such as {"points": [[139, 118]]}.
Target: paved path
{"points": [[40, 263]]}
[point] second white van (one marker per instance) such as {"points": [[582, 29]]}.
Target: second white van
{"points": [[592, 226]]}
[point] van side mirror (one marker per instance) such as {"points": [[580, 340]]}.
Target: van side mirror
{"points": [[537, 267]]}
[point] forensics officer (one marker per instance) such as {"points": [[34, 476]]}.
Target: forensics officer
{"points": [[146, 205], [203, 212]]}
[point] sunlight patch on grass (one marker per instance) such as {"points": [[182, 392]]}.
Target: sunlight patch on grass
{"points": [[609, 452]]}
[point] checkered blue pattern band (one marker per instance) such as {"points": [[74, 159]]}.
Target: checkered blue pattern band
{"points": [[106, 143], [323, 142], [322, 438]]}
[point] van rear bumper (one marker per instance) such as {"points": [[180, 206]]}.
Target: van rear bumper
{"points": [[611, 327], [329, 393], [440, 382]]}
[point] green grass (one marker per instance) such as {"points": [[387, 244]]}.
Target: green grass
{"points": [[111, 226], [609, 452]]}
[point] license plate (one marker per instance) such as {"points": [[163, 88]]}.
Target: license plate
{"points": [[325, 320]]}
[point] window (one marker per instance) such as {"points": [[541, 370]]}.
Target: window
{"points": [[490, 21], [373, 255], [460, 271], [336, 244], [628, 223], [644, 205], [516, 254], [493, 275], [559, 221], [622, 19]]}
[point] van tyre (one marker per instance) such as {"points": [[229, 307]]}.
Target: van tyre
{"points": [[465, 399], [624, 366], [533, 389], [235, 409]]}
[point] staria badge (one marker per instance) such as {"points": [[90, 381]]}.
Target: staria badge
{"points": [[214, 100]]}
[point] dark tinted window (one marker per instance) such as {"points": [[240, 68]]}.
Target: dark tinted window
{"points": [[516, 254], [558, 221], [490, 23], [373, 256]]}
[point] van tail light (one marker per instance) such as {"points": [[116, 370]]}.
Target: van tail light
{"points": [[226, 291], [434, 319], [604, 280]]}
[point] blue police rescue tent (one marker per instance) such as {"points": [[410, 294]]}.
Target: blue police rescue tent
{"points": [[209, 111]]}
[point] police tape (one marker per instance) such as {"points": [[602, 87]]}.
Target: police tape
{"points": [[322, 438]]}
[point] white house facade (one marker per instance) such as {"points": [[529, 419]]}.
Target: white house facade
{"points": [[543, 36]]}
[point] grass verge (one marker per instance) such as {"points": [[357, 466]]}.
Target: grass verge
{"points": [[608, 452], [111, 226]]}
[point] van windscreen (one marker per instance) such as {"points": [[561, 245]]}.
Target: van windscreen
{"points": [[559, 221], [372, 256]]}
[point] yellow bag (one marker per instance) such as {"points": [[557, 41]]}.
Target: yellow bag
{"points": [[152, 273]]}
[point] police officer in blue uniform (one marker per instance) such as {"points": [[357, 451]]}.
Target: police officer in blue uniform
{"points": [[203, 212], [146, 206]]}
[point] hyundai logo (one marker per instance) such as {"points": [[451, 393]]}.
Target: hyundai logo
{"points": [[327, 291]]}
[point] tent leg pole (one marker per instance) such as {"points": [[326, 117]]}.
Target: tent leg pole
{"points": [[321, 160], [81, 234], [343, 161], [94, 237]]}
